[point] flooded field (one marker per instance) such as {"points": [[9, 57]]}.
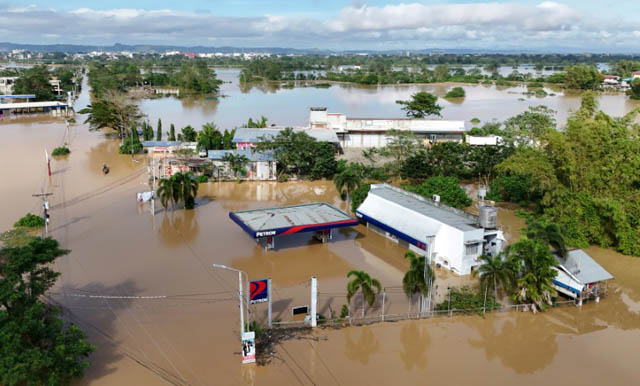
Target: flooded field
{"points": [[143, 288]]}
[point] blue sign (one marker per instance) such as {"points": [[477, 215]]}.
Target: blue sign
{"points": [[259, 291]]}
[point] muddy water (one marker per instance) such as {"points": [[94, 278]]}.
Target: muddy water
{"points": [[291, 106], [119, 249]]}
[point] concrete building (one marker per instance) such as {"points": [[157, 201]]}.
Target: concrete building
{"points": [[54, 108], [249, 137], [261, 166], [635, 75], [455, 238], [580, 277], [6, 84], [372, 132], [490, 140]]}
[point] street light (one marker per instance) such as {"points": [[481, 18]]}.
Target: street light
{"points": [[240, 293]]}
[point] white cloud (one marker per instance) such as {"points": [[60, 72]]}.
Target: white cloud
{"points": [[473, 25]]}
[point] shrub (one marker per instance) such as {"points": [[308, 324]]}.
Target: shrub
{"points": [[456, 92], [30, 221], [359, 195], [475, 120], [126, 146], [344, 311], [59, 151], [469, 302], [202, 179], [189, 203], [448, 188]]}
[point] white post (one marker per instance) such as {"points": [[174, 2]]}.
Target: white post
{"points": [[384, 294], [269, 297], [241, 303], [314, 300]]}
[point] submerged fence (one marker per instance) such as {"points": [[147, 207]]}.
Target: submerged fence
{"points": [[391, 305]]}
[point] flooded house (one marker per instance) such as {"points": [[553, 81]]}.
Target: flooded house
{"points": [[456, 239], [372, 132], [257, 167], [580, 277]]}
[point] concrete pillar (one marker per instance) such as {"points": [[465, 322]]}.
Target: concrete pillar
{"points": [[314, 300]]}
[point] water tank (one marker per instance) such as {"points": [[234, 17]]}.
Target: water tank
{"points": [[435, 198], [488, 217]]}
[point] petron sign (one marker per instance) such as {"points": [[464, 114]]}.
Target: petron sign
{"points": [[259, 291]]}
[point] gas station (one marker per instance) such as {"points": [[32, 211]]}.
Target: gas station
{"points": [[265, 225]]}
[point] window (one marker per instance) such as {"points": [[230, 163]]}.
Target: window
{"points": [[471, 249]]}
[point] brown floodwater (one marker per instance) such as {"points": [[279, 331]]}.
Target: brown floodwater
{"points": [[190, 336]]}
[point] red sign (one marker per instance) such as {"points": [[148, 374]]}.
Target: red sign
{"points": [[259, 291]]}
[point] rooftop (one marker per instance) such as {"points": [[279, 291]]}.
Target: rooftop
{"points": [[31, 105], [583, 267], [291, 219], [251, 155], [160, 143], [445, 214], [248, 135]]}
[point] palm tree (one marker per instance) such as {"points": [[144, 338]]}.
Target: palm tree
{"points": [[177, 188], [237, 162], [210, 137], [494, 272], [347, 181], [364, 283], [417, 277], [188, 134], [548, 233]]}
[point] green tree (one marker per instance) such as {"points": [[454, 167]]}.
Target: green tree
{"points": [[114, 111], [547, 233], [347, 181], [180, 187], [131, 144], [35, 80], [634, 92], [172, 133], [325, 164], [210, 138], [159, 131], [448, 188], [456, 92], [362, 282], [416, 279], [535, 273], [359, 195], [237, 162], [188, 134], [495, 272], [37, 347], [421, 104], [400, 145], [294, 151], [441, 73], [583, 77], [258, 123]]}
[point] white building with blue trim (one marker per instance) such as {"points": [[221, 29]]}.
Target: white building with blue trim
{"points": [[457, 238], [580, 277]]}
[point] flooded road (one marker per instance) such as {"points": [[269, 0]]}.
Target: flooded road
{"points": [[143, 288]]}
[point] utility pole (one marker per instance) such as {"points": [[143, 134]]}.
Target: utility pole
{"points": [[45, 209], [46, 156]]}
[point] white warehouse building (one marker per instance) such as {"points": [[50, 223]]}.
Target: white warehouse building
{"points": [[372, 132], [457, 238]]}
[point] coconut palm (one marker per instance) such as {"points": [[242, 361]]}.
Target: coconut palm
{"points": [[210, 137], [494, 272], [548, 233], [347, 181], [417, 277], [177, 188], [237, 162], [536, 272], [364, 283]]}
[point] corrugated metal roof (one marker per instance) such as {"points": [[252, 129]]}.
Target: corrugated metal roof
{"points": [[251, 155], [160, 143], [291, 216], [583, 267], [248, 135], [415, 208], [31, 105]]}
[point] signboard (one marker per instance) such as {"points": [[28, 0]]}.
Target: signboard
{"points": [[301, 310], [248, 347], [259, 291]]}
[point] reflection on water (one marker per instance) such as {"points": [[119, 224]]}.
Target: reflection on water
{"points": [[178, 227], [415, 342], [364, 347]]}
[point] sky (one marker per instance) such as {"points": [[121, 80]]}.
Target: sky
{"points": [[559, 25]]}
